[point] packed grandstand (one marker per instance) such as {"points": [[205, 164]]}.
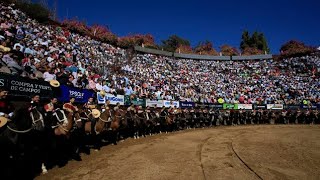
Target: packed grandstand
{"points": [[45, 52], [194, 88]]}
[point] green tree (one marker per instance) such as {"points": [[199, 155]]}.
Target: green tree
{"points": [[173, 42], [255, 43], [245, 40]]}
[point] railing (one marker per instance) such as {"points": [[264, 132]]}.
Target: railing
{"points": [[202, 57]]}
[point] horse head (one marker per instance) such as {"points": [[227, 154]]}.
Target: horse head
{"points": [[37, 119], [21, 121], [63, 123]]}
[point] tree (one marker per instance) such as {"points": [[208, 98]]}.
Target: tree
{"points": [[102, 33], [263, 45], [255, 43], [295, 48], [184, 49], [205, 48], [173, 42], [245, 40], [251, 51], [76, 26], [136, 40], [227, 50]]}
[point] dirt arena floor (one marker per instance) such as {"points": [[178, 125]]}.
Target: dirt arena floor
{"points": [[242, 152]]}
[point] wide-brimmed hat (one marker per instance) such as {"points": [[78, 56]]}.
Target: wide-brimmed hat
{"points": [[5, 69], [96, 113], [3, 121], [54, 83], [103, 93]]}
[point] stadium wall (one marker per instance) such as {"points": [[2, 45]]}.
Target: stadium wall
{"points": [[202, 57]]}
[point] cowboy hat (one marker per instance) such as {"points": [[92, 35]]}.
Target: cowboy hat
{"points": [[96, 113], [5, 69], [38, 74], [102, 93], [3, 121], [54, 83]]}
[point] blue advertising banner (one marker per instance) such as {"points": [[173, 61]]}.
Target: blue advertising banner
{"points": [[311, 106], [292, 107], [186, 104], [81, 95]]}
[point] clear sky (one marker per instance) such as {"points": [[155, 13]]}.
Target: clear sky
{"points": [[221, 22]]}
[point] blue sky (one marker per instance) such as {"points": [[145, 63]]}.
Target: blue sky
{"points": [[221, 22]]}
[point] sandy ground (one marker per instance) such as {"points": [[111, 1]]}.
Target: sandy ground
{"points": [[242, 152]]}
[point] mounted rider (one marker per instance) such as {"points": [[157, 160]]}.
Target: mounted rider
{"points": [[6, 109], [51, 106], [90, 104], [70, 107]]}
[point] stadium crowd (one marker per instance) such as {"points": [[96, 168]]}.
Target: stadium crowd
{"points": [[48, 52], [50, 132], [289, 81]]}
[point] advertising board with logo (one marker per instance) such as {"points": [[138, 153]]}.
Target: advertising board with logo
{"points": [[152, 103], [245, 106], [112, 98], [275, 106], [19, 86], [81, 95], [230, 106], [259, 106], [171, 104]]}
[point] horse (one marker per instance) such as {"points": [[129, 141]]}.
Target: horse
{"points": [[23, 144], [155, 118], [40, 134], [170, 122], [62, 124], [94, 128], [137, 123], [150, 121], [122, 129], [14, 140], [64, 137]]}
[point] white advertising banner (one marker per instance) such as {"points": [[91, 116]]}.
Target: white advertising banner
{"points": [[171, 104], [274, 106], [152, 103], [245, 106], [113, 99]]}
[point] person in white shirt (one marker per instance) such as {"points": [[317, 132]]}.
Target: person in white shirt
{"points": [[49, 75], [99, 86], [21, 47], [105, 87]]}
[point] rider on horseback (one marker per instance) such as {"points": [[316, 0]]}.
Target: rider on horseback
{"points": [[5, 108], [50, 107], [70, 107]]}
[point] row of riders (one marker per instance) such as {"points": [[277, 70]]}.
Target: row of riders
{"points": [[35, 137]]}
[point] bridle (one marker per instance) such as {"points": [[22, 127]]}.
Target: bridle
{"points": [[64, 120], [34, 121], [108, 120]]}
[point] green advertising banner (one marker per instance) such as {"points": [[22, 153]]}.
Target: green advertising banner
{"points": [[230, 106], [139, 102], [127, 100]]}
